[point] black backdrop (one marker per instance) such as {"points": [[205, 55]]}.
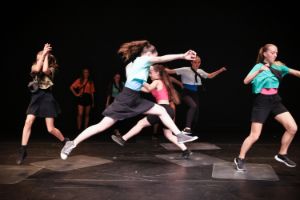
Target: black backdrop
{"points": [[86, 34]]}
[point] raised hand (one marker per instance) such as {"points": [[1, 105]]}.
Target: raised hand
{"points": [[47, 48], [190, 55]]}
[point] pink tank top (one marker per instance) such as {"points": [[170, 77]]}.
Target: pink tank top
{"points": [[160, 94], [269, 91]]}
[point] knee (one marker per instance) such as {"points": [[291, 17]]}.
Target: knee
{"points": [[50, 129], [253, 137], [193, 106], [162, 110], [292, 129], [141, 123], [28, 122]]}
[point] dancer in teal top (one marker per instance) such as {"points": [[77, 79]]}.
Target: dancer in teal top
{"points": [[265, 78]]}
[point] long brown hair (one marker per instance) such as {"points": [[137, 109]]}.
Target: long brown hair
{"points": [[172, 93], [130, 50]]}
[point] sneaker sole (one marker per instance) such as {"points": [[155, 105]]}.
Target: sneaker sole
{"points": [[114, 138], [190, 140], [186, 133], [237, 168], [282, 161], [63, 156]]}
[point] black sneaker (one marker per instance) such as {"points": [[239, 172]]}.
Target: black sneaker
{"points": [[187, 131], [118, 139], [22, 156], [65, 140], [239, 164], [186, 154], [284, 159]]}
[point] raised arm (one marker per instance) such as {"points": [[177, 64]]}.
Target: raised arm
{"points": [[215, 73], [189, 55], [250, 77], [37, 67]]}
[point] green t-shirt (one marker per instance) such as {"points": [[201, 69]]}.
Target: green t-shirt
{"points": [[266, 79]]}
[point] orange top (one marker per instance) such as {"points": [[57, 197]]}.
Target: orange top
{"points": [[85, 87]]}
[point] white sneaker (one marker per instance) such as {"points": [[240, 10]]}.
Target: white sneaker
{"points": [[66, 150]]}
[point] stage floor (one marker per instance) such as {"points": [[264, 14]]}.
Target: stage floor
{"points": [[146, 169]]}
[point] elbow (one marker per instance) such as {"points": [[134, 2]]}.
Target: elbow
{"points": [[45, 71], [246, 82]]}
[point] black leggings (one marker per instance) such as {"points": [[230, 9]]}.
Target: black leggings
{"points": [[191, 99]]}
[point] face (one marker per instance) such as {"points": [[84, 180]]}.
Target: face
{"points": [[85, 73], [271, 54], [117, 78], [154, 75], [196, 63]]}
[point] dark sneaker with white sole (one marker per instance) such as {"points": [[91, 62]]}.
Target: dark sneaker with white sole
{"points": [[186, 154], [285, 160], [239, 164], [118, 139]]}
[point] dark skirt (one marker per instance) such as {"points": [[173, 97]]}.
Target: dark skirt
{"points": [[43, 104], [127, 104]]}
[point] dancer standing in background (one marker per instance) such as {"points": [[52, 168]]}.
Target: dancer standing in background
{"points": [[114, 89], [83, 88]]}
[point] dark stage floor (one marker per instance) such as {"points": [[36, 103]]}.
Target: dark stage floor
{"points": [[145, 169]]}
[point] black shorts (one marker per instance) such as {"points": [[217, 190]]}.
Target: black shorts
{"points": [[85, 99], [154, 119], [264, 105]]}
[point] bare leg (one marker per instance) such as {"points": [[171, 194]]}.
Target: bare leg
{"points": [[27, 129], [164, 117], [290, 126], [104, 124], [80, 109], [168, 134], [251, 139], [54, 131], [137, 129], [87, 116]]}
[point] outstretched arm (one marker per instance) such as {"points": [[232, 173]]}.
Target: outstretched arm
{"points": [[294, 72], [174, 80], [189, 55], [215, 73], [170, 71]]}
